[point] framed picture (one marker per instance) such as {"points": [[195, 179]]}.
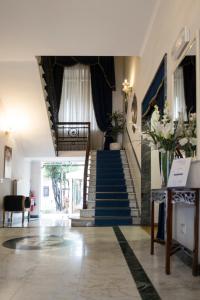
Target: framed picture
{"points": [[45, 191], [7, 162], [134, 111]]}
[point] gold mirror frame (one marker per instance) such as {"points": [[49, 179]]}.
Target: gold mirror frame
{"points": [[134, 111]]}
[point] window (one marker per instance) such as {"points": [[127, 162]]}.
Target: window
{"points": [[45, 191], [76, 101], [179, 95]]}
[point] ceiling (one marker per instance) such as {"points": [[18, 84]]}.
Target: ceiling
{"points": [[30, 28], [73, 27]]}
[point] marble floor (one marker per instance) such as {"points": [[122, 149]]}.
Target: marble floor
{"points": [[45, 220], [63, 263]]}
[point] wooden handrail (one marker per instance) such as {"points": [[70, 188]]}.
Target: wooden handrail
{"points": [[133, 150], [73, 123], [86, 170]]}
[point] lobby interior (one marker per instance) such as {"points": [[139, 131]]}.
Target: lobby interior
{"points": [[130, 57]]}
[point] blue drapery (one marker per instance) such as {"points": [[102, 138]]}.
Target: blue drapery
{"points": [[156, 92], [102, 82]]}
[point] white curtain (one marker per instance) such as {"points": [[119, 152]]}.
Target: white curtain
{"points": [[76, 101], [179, 95]]}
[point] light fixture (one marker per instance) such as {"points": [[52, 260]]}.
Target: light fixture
{"points": [[6, 127], [127, 90], [180, 43], [126, 87]]}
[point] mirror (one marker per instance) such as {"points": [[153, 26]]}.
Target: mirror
{"points": [[134, 112], [185, 84]]}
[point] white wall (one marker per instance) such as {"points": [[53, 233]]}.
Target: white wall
{"points": [[23, 108], [131, 73], [119, 78], [172, 16], [20, 167]]}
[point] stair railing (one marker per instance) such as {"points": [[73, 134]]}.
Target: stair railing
{"points": [[134, 165], [85, 178], [72, 136]]}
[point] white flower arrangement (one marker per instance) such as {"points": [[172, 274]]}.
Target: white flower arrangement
{"points": [[164, 134], [161, 133], [188, 136]]}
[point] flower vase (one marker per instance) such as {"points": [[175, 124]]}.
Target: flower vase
{"points": [[166, 159], [189, 153]]}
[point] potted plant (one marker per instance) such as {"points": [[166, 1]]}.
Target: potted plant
{"points": [[117, 123]]}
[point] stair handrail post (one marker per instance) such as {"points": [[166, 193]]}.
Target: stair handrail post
{"points": [[86, 169]]}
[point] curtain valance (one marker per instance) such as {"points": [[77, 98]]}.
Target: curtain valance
{"points": [[102, 79], [156, 92]]}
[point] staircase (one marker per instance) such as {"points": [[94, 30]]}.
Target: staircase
{"points": [[111, 195], [112, 203]]}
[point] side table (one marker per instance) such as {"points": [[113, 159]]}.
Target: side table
{"points": [[171, 197]]}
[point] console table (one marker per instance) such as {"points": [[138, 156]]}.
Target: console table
{"points": [[169, 197]]}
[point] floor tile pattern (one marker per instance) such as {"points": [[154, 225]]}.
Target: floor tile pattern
{"points": [[143, 283], [90, 266]]}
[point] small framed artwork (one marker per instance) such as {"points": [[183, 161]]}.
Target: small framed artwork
{"points": [[134, 109], [45, 191], [7, 162]]}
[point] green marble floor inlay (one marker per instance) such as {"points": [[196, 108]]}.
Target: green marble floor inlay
{"points": [[143, 283], [38, 242]]}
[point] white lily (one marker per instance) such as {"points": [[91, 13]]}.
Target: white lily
{"points": [[183, 141]]}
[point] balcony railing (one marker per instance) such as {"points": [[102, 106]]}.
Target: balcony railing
{"points": [[72, 136], [75, 136]]}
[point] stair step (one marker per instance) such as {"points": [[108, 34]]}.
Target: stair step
{"points": [[112, 212], [113, 196], [113, 222], [90, 212], [111, 204], [111, 188], [112, 217], [82, 222], [110, 182], [94, 204]]}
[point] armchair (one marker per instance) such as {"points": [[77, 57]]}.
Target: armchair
{"points": [[16, 204]]}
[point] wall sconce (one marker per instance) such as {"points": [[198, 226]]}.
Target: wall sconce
{"points": [[8, 131], [127, 90], [6, 128]]}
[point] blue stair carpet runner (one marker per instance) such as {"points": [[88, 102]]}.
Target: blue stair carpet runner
{"points": [[112, 204]]}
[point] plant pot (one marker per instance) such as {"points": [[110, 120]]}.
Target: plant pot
{"points": [[115, 146]]}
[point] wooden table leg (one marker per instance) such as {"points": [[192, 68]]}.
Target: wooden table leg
{"points": [[11, 218], [196, 235], [28, 216], [4, 215], [169, 231], [152, 227], [23, 218]]}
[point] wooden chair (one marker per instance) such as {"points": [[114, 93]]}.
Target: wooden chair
{"points": [[16, 204]]}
